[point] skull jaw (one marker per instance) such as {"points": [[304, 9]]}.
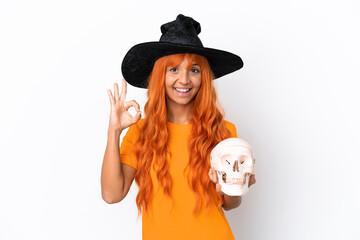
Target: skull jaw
{"points": [[235, 189]]}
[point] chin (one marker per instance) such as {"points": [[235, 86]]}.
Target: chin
{"points": [[182, 102]]}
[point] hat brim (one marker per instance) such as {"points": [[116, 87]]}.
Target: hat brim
{"points": [[140, 59]]}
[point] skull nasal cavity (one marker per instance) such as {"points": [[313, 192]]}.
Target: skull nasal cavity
{"points": [[236, 167]]}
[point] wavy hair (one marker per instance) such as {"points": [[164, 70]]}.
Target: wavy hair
{"points": [[207, 129]]}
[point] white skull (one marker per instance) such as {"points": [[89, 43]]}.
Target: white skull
{"points": [[233, 161]]}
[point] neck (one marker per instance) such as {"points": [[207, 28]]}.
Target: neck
{"points": [[179, 114]]}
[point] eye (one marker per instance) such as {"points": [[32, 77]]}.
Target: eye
{"points": [[173, 69], [227, 161], [195, 70]]}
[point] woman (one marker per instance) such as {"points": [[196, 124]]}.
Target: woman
{"points": [[168, 151]]}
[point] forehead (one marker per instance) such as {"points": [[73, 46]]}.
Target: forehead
{"points": [[188, 63], [186, 60], [228, 150], [232, 146]]}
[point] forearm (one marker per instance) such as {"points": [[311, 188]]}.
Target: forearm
{"points": [[112, 179], [231, 202]]}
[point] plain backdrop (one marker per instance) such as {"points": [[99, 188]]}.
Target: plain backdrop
{"points": [[296, 101]]}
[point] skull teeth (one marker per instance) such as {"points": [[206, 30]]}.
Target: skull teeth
{"points": [[230, 180]]}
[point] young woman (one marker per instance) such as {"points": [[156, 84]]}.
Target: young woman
{"points": [[167, 152]]}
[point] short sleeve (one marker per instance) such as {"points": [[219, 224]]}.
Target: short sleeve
{"points": [[127, 148], [231, 127]]}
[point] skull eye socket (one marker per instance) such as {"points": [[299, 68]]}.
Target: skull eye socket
{"points": [[227, 160], [245, 160]]}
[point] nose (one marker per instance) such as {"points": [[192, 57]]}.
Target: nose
{"points": [[236, 167], [184, 77]]}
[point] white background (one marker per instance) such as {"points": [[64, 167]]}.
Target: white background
{"points": [[296, 101]]}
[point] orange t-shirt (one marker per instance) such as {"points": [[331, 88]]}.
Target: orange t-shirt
{"points": [[162, 223]]}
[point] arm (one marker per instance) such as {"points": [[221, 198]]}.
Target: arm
{"points": [[116, 178]]}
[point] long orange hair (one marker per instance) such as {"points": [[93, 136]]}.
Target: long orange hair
{"points": [[207, 129]]}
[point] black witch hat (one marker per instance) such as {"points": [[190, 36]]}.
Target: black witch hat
{"points": [[179, 36]]}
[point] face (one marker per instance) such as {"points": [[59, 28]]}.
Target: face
{"points": [[182, 84]]}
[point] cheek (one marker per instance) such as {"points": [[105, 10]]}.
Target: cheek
{"points": [[169, 82], [197, 83]]}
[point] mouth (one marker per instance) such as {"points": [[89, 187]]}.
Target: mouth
{"points": [[182, 90]]}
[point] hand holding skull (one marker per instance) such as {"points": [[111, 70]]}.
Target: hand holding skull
{"points": [[232, 167]]}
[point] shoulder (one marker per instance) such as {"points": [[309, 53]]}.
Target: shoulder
{"points": [[231, 127]]}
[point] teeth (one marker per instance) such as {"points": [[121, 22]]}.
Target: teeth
{"points": [[231, 180], [182, 90]]}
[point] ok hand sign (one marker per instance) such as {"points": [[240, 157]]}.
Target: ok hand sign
{"points": [[120, 118]]}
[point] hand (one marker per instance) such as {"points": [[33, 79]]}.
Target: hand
{"points": [[214, 178], [120, 118], [252, 180]]}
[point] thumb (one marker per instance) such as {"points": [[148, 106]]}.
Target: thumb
{"points": [[218, 189]]}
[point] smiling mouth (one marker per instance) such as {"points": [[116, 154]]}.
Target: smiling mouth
{"points": [[183, 90]]}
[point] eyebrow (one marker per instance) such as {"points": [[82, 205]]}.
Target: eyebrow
{"points": [[194, 64]]}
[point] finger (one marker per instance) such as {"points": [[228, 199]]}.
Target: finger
{"points": [[110, 96], [252, 180], [116, 92], [213, 175], [132, 103], [123, 91], [136, 117], [252, 177], [216, 176]]}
